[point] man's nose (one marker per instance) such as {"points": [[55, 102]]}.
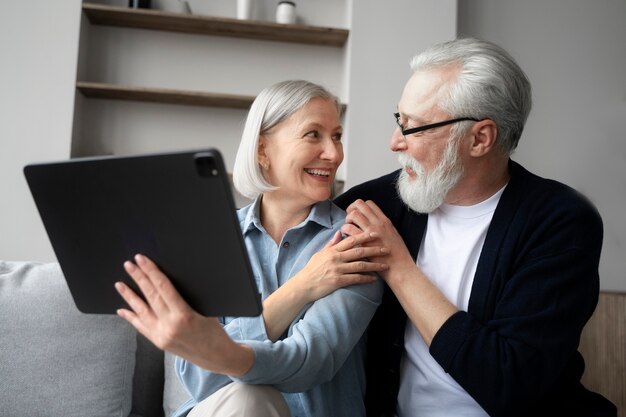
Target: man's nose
{"points": [[397, 142]]}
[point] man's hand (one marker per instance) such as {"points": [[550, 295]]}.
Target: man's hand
{"points": [[339, 264], [366, 216], [424, 304]]}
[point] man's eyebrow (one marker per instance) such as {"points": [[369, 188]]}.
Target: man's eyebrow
{"points": [[419, 120]]}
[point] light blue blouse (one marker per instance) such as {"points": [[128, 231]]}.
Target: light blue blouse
{"points": [[318, 363]]}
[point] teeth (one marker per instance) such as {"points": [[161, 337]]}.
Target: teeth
{"points": [[320, 172]]}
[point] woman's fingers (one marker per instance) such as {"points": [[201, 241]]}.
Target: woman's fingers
{"points": [[144, 280], [161, 290], [354, 279], [136, 303], [363, 266], [352, 241], [363, 252], [135, 321], [139, 312], [336, 239]]}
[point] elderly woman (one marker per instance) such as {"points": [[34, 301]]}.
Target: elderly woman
{"points": [[303, 356]]}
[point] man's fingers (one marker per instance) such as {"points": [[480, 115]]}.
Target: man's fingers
{"points": [[365, 207], [375, 210], [354, 205], [350, 229], [357, 218], [364, 213]]}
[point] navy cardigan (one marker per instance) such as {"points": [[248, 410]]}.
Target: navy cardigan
{"points": [[536, 285]]}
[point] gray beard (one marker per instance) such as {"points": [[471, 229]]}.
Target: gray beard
{"points": [[427, 191]]}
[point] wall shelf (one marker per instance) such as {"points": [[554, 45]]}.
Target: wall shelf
{"points": [[166, 96], [162, 95], [217, 26]]}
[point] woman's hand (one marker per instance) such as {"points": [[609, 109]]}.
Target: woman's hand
{"points": [[171, 324], [339, 264]]}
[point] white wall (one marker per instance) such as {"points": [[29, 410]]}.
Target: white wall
{"points": [[38, 47], [42, 118], [383, 38], [574, 52], [150, 58]]}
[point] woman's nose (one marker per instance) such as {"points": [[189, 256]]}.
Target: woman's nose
{"points": [[332, 151]]}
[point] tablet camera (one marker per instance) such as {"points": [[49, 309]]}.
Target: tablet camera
{"points": [[206, 166]]}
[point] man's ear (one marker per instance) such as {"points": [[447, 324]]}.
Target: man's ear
{"points": [[484, 134]]}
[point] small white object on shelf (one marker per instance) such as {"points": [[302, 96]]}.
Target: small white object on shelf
{"points": [[286, 12], [185, 7], [244, 9], [172, 6]]}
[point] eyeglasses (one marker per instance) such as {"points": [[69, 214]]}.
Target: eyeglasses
{"points": [[430, 126]]}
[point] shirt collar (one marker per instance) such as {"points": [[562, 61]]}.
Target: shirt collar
{"points": [[320, 214]]}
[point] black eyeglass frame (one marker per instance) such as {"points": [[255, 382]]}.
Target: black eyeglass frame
{"points": [[412, 130]]}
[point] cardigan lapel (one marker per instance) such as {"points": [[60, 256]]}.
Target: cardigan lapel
{"points": [[486, 269], [413, 227]]}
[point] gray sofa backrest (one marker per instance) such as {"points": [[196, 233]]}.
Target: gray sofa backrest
{"points": [[57, 361]]}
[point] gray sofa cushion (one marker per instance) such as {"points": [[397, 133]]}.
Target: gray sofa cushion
{"points": [[55, 360], [174, 393]]}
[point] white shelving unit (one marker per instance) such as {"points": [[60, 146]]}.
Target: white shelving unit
{"points": [[151, 80]]}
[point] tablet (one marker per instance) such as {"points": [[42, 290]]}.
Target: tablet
{"points": [[176, 208]]}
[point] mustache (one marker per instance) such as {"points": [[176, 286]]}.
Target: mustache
{"points": [[427, 190], [406, 161]]}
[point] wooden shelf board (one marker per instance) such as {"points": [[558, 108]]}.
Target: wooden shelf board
{"points": [[162, 95], [176, 22], [168, 96]]}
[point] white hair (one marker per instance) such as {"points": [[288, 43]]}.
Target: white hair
{"points": [[272, 106], [490, 85]]}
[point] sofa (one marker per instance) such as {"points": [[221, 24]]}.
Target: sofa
{"points": [[57, 361]]}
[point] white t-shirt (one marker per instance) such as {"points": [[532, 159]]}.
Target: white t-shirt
{"points": [[448, 256]]}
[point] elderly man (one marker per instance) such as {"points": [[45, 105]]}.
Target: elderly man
{"points": [[493, 270]]}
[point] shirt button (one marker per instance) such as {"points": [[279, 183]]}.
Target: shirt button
{"points": [[286, 245]]}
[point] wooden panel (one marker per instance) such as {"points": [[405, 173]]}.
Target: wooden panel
{"points": [[603, 345], [206, 25]]}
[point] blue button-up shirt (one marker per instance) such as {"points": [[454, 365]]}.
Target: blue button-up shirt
{"points": [[318, 363]]}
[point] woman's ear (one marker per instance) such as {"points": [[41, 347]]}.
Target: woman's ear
{"points": [[262, 158], [484, 135]]}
